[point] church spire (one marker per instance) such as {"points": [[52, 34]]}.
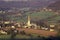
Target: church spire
{"points": [[28, 23]]}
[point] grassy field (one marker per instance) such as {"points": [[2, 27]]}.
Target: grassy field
{"points": [[56, 18], [40, 15], [19, 36], [35, 16], [5, 36], [24, 37]]}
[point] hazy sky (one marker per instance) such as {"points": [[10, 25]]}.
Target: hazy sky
{"points": [[13, 0], [18, 0], [31, 0]]}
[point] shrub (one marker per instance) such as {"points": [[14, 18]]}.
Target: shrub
{"points": [[22, 32]]}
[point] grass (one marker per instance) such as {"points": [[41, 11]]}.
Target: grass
{"points": [[35, 16], [40, 15], [22, 37], [18, 36], [56, 18], [44, 15], [5, 36]]}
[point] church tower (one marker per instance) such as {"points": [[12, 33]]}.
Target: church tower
{"points": [[28, 23]]}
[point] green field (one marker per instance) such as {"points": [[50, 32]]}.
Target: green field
{"points": [[44, 15], [35, 16], [18, 36], [41, 15]]}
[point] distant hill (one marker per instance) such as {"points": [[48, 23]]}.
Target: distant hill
{"points": [[24, 4], [29, 4], [55, 6]]}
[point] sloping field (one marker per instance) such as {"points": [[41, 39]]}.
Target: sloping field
{"points": [[50, 16], [41, 15], [39, 32], [44, 15], [56, 18]]}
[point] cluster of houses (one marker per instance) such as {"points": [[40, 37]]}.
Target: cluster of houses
{"points": [[27, 25], [11, 24]]}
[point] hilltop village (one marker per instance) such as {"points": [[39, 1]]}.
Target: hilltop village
{"points": [[46, 26]]}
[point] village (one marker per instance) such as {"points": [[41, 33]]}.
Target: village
{"points": [[28, 27]]}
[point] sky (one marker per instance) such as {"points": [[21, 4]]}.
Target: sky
{"points": [[13, 0], [31, 0], [18, 0]]}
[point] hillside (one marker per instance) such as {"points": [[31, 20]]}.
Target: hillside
{"points": [[36, 16], [6, 5], [55, 6]]}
